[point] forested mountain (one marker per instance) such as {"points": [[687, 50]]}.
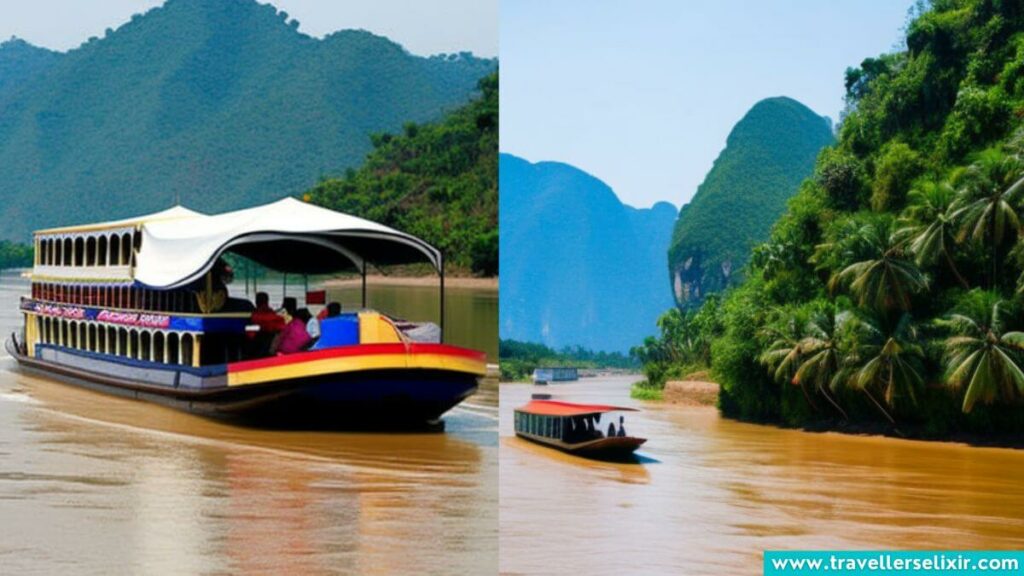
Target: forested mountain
{"points": [[578, 267], [438, 181], [768, 153], [890, 292], [218, 103], [20, 62]]}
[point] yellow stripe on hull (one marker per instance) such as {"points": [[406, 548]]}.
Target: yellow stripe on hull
{"points": [[357, 364]]}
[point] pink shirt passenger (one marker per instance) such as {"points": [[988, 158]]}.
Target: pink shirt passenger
{"points": [[293, 338]]}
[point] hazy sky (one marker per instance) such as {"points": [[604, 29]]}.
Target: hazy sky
{"points": [[642, 94], [422, 27]]}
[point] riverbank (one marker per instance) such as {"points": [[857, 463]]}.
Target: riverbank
{"points": [[696, 392], [457, 282]]}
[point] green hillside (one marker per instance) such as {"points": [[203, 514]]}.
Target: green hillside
{"points": [[219, 104], [14, 255], [438, 181], [768, 153], [888, 296]]}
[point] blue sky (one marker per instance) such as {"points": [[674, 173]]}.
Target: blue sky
{"points": [[423, 28], [642, 94]]}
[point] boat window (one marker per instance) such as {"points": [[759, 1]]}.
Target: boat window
{"points": [[158, 347], [101, 251], [79, 252], [122, 341], [145, 346], [93, 345], [115, 249], [90, 251], [172, 348], [126, 249], [186, 350]]}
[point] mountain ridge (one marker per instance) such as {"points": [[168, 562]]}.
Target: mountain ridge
{"points": [[560, 224]]}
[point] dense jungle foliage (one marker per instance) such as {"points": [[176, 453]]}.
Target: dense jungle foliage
{"points": [[518, 359], [13, 255], [217, 104], [890, 292], [438, 181]]}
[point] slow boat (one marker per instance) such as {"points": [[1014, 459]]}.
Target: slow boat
{"points": [[140, 308], [574, 428]]}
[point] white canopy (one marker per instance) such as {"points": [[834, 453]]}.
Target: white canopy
{"points": [[287, 235]]}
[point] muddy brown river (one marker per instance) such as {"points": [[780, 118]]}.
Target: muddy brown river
{"points": [[93, 484], [713, 493]]}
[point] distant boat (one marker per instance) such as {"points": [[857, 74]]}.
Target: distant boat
{"points": [[140, 308], [544, 375], [574, 428]]}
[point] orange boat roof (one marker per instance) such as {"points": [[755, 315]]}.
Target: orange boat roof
{"points": [[557, 408]]}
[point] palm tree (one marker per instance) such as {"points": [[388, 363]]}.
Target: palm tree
{"points": [[983, 355], [928, 225], [784, 355], [986, 207], [885, 281], [822, 361], [884, 355]]}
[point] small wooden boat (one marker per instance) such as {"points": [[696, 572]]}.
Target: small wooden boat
{"points": [[141, 308], [575, 428]]}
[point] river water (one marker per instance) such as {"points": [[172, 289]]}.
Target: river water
{"points": [[713, 493], [91, 483]]}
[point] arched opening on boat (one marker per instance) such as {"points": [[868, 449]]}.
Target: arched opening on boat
{"points": [[101, 251], [172, 348], [115, 249], [145, 346], [90, 251], [187, 342], [79, 252], [68, 250], [93, 344], [126, 249], [122, 342], [159, 351]]}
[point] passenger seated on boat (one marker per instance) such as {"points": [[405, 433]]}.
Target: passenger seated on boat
{"points": [[265, 317], [332, 310], [622, 427], [611, 429], [294, 337]]}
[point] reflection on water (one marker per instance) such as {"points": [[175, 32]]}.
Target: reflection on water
{"points": [[720, 492], [91, 483]]}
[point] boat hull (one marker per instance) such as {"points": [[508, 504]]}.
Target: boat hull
{"points": [[617, 448], [373, 398]]}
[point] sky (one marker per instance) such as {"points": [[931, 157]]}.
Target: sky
{"points": [[642, 94], [423, 28]]}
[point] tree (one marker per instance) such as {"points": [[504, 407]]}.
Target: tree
{"points": [[822, 365], [807, 354], [983, 355], [985, 208], [883, 354], [885, 282], [929, 226]]}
